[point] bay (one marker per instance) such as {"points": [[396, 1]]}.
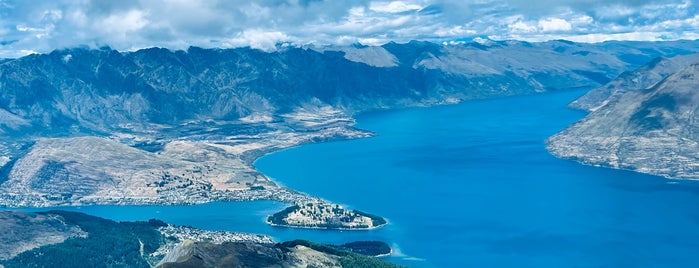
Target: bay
{"points": [[470, 185]]}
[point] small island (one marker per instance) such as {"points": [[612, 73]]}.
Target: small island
{"points": [[323, 215]]}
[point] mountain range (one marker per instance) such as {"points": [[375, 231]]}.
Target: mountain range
{"points": [[99, 126], [155, 126], [74, 90]]}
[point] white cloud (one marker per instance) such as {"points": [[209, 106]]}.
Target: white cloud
{"points": [[522, 27], [44, 25], [24, 28], [582, 19], [256, 12], [393, 7], [636, 36], [615, 11], [373, 41], [25, 52], [52, 15], [554, 25], [78, 18], [458, 30], [257, 38], [123, 23]]}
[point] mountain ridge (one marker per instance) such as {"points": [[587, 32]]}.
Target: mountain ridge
{"points": [[653, 130], [157, 85], [206, 111], [643, 77]]}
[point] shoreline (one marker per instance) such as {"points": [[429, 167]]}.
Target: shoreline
{"points": [[325, 228], [384, 255], [275, 191], [255, 155]]}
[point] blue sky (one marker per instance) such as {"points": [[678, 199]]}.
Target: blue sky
{"points": [[43, 25]]}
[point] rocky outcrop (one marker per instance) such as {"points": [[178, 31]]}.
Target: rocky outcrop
{"points": [[653, 130]]}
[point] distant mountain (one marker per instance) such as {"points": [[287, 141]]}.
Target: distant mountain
{"points": [[643, 77], [653, 130], [154, 126], [83, 90]]}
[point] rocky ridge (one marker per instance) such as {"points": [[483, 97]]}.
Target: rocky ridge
{"points": [[653, 130], [643, 77]]}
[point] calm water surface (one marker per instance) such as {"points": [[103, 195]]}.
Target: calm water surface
{"points": [[471, 185]]}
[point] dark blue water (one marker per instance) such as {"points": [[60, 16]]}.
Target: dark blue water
{"points": [[471, 185]]}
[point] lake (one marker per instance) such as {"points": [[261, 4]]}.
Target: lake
{"points": [[471, 185]]}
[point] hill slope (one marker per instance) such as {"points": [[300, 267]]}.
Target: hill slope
{"points": [[643, 77], [654, 130]]}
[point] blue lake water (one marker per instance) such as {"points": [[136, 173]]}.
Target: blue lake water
{"points": [[472, 185]]}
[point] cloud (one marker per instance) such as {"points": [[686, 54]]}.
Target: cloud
{"points": [[393, 7], [121, 24], [258, 38], [522, 27], [554, 25], [44, 25]]}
